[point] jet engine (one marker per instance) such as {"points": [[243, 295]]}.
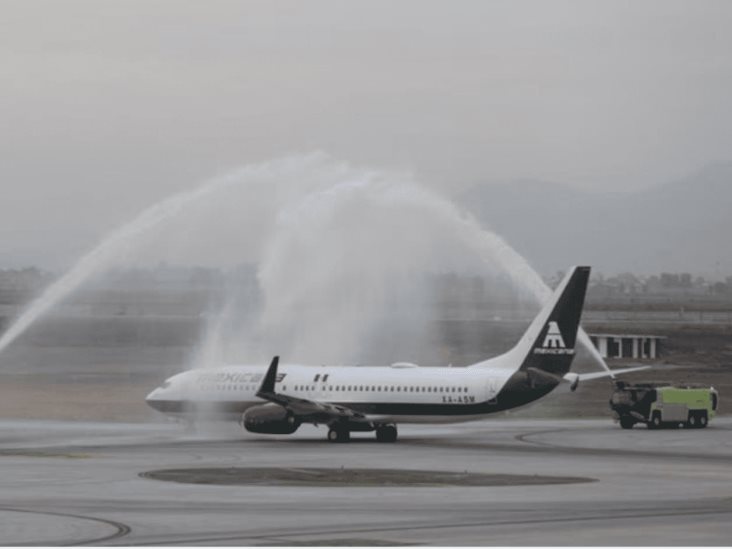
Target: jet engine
{"points": [[269, 419]]}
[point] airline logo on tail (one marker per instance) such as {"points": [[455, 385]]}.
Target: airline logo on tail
{"points": [[553, 342]]}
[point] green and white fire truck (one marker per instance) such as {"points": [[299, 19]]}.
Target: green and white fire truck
{"points": [[660, 405]]}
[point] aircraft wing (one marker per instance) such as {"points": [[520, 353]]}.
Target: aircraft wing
{"points": [[310, 411]]}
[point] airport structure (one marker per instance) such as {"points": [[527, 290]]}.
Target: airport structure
{"points": [[627, 345]]}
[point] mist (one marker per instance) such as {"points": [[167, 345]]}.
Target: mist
{"points": [[344, 257]]}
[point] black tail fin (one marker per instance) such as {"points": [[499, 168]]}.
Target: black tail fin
{"points": [[548, 344]]}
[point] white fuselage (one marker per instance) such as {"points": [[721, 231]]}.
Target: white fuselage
{"points": [[231, 390]]}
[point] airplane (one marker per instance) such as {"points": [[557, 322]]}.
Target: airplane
{"points": [[279, 399]]}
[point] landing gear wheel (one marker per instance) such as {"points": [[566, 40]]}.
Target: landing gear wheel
{"points": [[386, 433], [338, 434], [627, 422]]}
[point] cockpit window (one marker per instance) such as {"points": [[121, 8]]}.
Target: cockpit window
{"points": [[165, 384]]}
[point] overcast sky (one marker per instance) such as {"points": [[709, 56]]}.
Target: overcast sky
{"points": [[108, 106]]}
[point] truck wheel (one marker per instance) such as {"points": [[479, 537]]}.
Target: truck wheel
{"points": [[703, 420], [655, 422], [627, 422], [693, 422]]}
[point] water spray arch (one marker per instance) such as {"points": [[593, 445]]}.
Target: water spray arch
{"points": [[324, 217]]}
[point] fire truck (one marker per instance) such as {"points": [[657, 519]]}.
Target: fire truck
{"points": [[661, 405]]}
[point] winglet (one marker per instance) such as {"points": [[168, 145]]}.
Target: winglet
{"points": [[268, 384]]}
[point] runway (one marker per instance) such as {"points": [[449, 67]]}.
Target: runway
{"points": [[80, 483]]}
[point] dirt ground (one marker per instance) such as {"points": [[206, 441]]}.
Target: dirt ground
{"points": [[46, 397]]}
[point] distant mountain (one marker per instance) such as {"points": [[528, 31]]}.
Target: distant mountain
{"points": [[684, 226]]}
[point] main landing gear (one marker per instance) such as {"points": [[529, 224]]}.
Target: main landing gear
{"points": [[338, 433], [341, 433], [386, 433]]}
